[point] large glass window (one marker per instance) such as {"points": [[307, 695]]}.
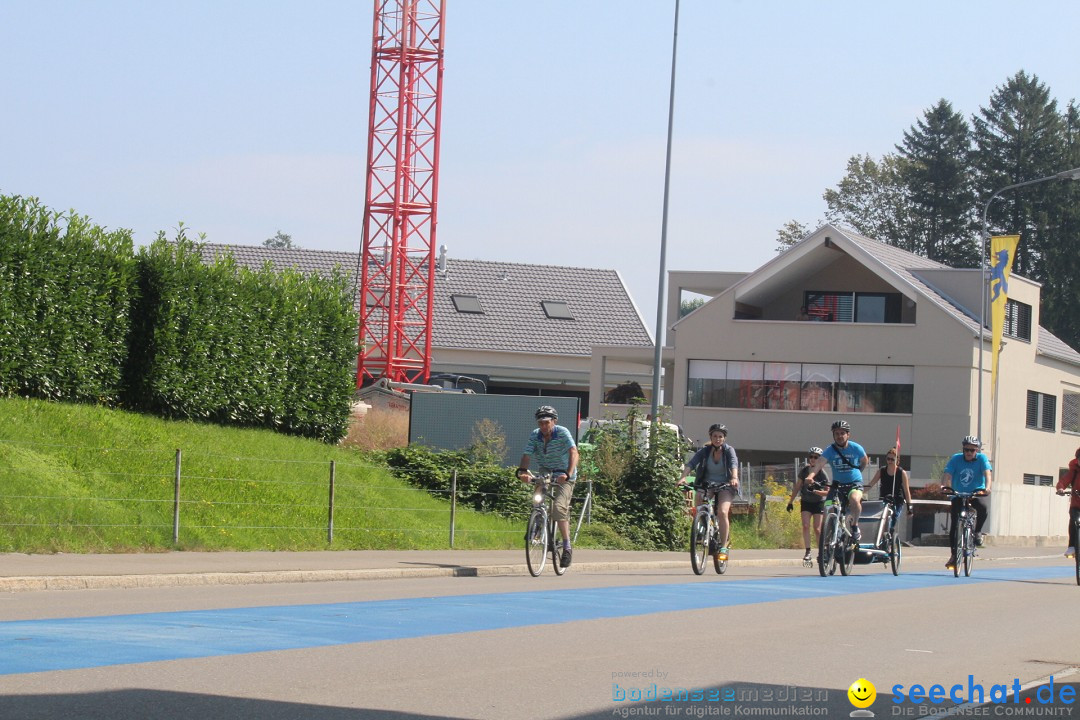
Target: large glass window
{"points": [[782, 383], [801, 386], [818, 387], [861, 307]]}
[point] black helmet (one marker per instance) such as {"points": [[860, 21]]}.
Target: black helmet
{"points": [[841, 425], [972, 440], [546, 411], [717, 427]]}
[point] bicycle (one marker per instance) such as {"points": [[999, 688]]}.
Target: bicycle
{"points": [[703, 531], [964, 550], [835, 545], [541, 531], [1076, 533], [890, 540]]}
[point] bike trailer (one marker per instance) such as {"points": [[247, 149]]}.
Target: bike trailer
{"points": [[871, 523]]}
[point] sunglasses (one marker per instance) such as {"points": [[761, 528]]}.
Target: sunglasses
{"points": [[890, 459], [971, 449]]}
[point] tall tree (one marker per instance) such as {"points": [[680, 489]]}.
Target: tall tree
{"points": [[792, 232], [936, 172], [872, 198], [1061, 290], [1020, 137]]}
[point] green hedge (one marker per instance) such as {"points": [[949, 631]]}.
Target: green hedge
{"points": [[226, 344], [85, 319], [65, 299]]}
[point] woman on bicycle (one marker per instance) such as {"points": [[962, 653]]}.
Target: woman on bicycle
{"points": [[716, 464], [969, 473], [1071, 481], [811, 501], [893, 479]]}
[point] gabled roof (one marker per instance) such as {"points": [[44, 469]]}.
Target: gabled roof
{"points": [[513, 319]]}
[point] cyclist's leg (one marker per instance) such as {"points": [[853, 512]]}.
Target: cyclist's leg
{"points": [[1073, 512], [981, 508], [723, 528], [561, 509], [854, 508]]}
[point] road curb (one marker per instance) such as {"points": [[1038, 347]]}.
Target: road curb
{"points": [[97, 582]]}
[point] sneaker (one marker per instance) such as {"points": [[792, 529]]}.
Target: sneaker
{"points": [[566, 557], [951, 564], [1070, 551], [722, 554], [978, 539]]}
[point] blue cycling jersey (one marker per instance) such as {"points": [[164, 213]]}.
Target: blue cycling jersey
{"points": [[842, 472], [968, 475]]}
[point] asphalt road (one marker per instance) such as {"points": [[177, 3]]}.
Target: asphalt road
{"points": [[763, 641]]}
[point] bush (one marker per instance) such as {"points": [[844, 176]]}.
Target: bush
{"points": [[65, 299], [225, 344]]}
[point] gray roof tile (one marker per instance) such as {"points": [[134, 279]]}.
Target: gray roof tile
{"points": [[510, 293]]}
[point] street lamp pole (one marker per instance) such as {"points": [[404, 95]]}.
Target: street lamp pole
{"points": [[1073, 174], [660, 292]]}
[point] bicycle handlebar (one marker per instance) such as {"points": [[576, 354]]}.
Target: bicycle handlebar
{"points": [[978, 493]]}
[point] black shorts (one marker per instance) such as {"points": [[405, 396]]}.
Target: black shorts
{"points": [[813, 508]]}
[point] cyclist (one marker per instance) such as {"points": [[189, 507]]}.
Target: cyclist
{"points": [[847, 460], [555, 452], [967, 472], [716, 464], [811, 501], [893, 479], [1071, 481]]}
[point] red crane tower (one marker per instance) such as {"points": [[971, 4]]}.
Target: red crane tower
{"points": [[398, 254]]}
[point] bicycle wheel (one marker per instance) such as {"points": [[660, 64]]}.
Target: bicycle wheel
{"points": [[896, 553], [536, 542], [826, 545], [557, 550], [699, 542], [847, 554], [969, 551], [720, 565]]}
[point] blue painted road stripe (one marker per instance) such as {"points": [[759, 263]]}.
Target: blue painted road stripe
{"points": [[73, 643]]}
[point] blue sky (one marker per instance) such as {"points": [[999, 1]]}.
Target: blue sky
{"points": [[244, 117]]}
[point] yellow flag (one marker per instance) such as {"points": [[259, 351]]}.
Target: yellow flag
{"points": [[1002, 253]]}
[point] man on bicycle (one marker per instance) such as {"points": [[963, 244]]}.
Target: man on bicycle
{"points": [[1069, 484], [555, 452], [714, 465], [968, 473], [847, 460]]}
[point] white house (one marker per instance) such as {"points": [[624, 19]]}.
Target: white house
{"points": [[893, 341]]}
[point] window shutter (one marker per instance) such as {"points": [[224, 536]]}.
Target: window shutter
{"points": [[1032, 409]]}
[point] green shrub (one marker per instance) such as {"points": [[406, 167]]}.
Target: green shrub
{"points": [[65, 298]]}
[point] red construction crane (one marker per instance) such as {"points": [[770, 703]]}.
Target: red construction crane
{"points": [[398, 252]]}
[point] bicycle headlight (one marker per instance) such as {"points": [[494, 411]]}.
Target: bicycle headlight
{"points": [[538, 498]]}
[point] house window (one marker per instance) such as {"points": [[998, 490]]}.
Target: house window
{"points": [[1070, 412], [467, 304], [556, 309], [800, 386], [1030, 479], [1017, 320], [1041, 411], [860, 307]]}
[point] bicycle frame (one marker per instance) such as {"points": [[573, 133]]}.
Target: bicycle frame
{"points": [[964, 549], [542, 512], [709, 544], [834, 546]]}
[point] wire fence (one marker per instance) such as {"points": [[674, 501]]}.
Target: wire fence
{"points": [[192, 496]]}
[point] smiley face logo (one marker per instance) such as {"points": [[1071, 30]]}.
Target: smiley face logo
{"points": [[862, 693]]}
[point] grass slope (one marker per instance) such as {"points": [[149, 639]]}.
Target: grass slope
{"points": [[80, 478]]}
